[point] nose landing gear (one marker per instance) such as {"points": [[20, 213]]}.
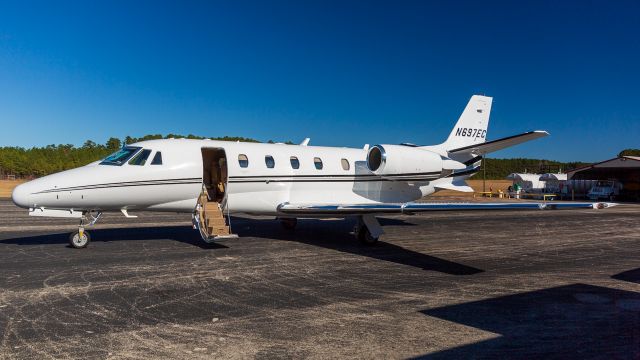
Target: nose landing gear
{"points": [[81, 238]]}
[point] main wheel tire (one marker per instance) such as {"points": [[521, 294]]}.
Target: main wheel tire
{"points": [[364, 236], [289, 223], [78, 242]]}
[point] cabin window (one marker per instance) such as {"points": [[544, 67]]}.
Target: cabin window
{"points": [[345, 164], [121, 156], [269, 161], [295, 163], [157, 159], [141, 158], [318, 163], [243, 161]]}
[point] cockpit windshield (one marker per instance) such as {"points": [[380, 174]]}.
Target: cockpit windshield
{"points": [[121, 156]]}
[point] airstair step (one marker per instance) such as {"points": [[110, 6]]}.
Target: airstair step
{"points": [[213, 213], [211, 206], [213, 216], [218, 230], [213, 220], [217, 221]]}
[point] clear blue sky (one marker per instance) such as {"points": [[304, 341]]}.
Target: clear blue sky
{"points": [[344, 73]]}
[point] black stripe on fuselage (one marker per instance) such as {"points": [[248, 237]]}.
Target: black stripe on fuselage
{"points": [[328, 181], [335, 178], [126, 183], [259, 178], [327, 175]]}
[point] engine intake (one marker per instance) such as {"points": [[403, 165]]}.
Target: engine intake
{"points": [[376, 158], [409, 163]]}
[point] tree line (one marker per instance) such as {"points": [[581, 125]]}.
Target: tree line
{"points": [[499, 168], [40, 161], [629, 152]]}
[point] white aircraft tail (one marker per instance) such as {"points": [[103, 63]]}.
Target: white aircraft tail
{"points": [[471, 128], [467, 142]]}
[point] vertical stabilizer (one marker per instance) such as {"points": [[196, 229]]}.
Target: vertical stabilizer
{"points": [[471, 128]]}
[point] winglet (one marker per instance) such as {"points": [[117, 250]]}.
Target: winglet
{"points": [[305, 142], [604, 205]]}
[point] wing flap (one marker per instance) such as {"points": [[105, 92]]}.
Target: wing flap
{"points": [[411, 207]]}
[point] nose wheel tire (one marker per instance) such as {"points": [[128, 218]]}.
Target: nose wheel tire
{"points": [[77, 241]]}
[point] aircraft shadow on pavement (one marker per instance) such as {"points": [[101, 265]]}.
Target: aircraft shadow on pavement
{"points": [[572, 321], [183, 234], [630, 275], [335, 235], [328, 234], [394, 222]]}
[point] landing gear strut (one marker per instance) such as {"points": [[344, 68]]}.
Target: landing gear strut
{"points": [[367, 230], [81, 238]]}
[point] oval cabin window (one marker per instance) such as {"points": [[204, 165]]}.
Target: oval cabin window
{"points": [[345, 164], [295, 163], [318, 163], [243, 161], [268, 160]]}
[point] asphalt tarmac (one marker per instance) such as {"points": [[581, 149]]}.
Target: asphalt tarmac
{"points": [[529, 284]]}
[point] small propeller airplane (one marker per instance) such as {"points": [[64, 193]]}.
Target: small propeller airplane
{"points": [[215, 179]]}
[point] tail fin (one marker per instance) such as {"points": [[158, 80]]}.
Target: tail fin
{"points": [[471, 128]]}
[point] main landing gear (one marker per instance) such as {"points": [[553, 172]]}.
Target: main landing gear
{"points": [[81, 238], [368, 230]]}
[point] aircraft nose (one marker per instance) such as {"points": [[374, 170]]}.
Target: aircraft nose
{"points": [[21, 195]]}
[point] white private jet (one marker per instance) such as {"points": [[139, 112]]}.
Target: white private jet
{"points": [[214, 179]]}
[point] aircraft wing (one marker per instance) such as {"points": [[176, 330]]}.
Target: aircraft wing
{"points": [[413, 207], [495, 145]]}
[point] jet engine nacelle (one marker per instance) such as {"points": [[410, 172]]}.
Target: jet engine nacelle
{"points": [[389, 160]]}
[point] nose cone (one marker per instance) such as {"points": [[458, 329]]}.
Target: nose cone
{"points": [[21, 195]]}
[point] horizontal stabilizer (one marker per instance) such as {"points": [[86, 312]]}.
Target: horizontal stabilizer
{"points": [[495, 145]]}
